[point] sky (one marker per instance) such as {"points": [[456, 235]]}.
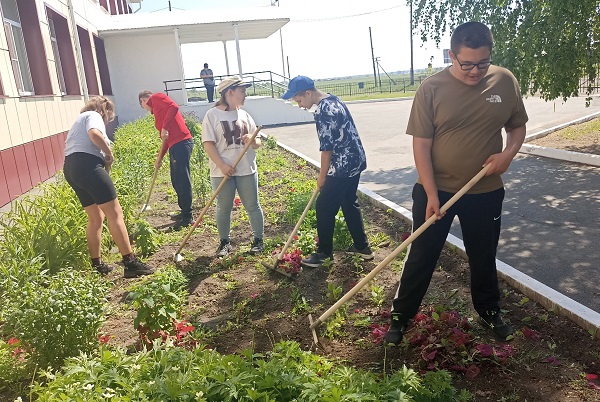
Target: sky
{"points": [[324, 39]]}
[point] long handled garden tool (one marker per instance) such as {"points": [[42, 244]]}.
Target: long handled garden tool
{"points": [[399, 249], [178, 257], [290, 239], [146, 205]]}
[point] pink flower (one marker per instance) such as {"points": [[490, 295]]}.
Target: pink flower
{"points": [[104, 338], [13, 341], [254, 295]]}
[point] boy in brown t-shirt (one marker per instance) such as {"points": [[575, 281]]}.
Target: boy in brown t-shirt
{"points": [[456, 123]]}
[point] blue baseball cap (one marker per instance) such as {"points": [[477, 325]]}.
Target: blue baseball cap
{"points": [[298, 84]]}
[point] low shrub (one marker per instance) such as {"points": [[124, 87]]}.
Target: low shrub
{"points": [[58, 316], [285, 374]]}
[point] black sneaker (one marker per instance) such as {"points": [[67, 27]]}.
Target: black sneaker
{"points": [[365, 253], [135, 268], [493, 319], [224, 248], [103, 268], [182, 223], [176, 216], [396, 330], [257, 246], [316, 260]]}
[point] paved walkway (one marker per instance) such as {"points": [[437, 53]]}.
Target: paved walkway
{"points": [[551, 218]]}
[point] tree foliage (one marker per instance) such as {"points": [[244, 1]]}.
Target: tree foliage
{"points": [[550, 45]]}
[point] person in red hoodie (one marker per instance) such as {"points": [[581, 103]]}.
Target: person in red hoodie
{"points": [[178, 141]]}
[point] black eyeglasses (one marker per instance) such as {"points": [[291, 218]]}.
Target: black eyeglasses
{"points": [[469, 66]]}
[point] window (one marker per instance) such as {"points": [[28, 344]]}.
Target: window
{"points": [[16, 47], [104, 4], [59, 70], [102, 66], [89, 67], [62, 46]]}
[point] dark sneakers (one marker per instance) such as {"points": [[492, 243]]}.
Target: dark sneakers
{"points": [[396, 330], [183, 222], [257, 246], [135, 268], [224, 248], [316, 260], [493, 319], [102, 268], [365, 253]]}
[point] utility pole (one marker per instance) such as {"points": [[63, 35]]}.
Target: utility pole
{"points": [[412, 69], [373, 57], [169, 5]]}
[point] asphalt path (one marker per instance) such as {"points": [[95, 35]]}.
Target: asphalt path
{"points": [[551, 215]]}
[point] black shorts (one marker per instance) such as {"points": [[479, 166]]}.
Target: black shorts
{"points": [[85, 173]]}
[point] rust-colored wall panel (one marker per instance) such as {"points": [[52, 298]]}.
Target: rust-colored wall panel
{"points": [[49, 155], [59, 156], [22, 168], [34, 170], [11, 173], [4, 195], [40, 156]]}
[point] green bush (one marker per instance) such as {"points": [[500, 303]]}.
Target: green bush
{"points": [[285, 374], [147, 239], [158, 299], [50, 226], [58, 316]]}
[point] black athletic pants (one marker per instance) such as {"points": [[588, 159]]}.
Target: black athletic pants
{"points": [[179, 159], [339, 192], [480, 219]]}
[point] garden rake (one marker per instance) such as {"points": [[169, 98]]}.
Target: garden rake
{"points": [[146, 205], [178, 257], [290, 239], [399, 249]]}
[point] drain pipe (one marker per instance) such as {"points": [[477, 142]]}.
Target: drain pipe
{"points": [[81, 71]]}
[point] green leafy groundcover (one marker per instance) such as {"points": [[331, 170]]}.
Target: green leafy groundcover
{"points": [[168, 373]]}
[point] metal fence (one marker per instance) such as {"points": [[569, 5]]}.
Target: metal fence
{"points": [[267, 83]]}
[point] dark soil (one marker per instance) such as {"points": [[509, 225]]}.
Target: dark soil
{"points": [[245, 305]]}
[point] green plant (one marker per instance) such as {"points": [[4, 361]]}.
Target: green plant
{"points": [[51, 226], [341, 236], [285, 374], [333, 292], [377, 294], [306, 241], [146, 239], [158, 299], [58, 316], [13, 363]]}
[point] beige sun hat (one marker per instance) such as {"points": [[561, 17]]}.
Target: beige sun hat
{"points": [[231, 83]]}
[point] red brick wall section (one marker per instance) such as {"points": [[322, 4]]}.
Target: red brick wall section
{"points": [[25, 166]]}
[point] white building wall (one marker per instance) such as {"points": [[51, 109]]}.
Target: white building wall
{"points": [[153, 58]]}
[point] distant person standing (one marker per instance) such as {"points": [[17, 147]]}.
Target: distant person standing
{"points": [[342, 160], [178, 141], [209, 82]]}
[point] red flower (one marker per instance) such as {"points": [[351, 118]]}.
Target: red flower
{"points": [[104, 338], [13, 341], [237, 202]]}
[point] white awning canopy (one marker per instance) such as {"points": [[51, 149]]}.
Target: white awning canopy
{"points": [[197, 26]]}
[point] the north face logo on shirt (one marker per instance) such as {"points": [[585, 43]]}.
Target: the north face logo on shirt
{"points": [[494, 99]]}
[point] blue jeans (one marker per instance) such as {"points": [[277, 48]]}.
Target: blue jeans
{"points": [[247, 188]]}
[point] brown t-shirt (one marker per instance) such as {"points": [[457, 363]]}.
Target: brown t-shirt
{"points": [[465, 123]]}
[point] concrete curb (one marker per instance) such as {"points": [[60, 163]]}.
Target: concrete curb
{"points": [[550, 130], [532, 288], [561, 154]]}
